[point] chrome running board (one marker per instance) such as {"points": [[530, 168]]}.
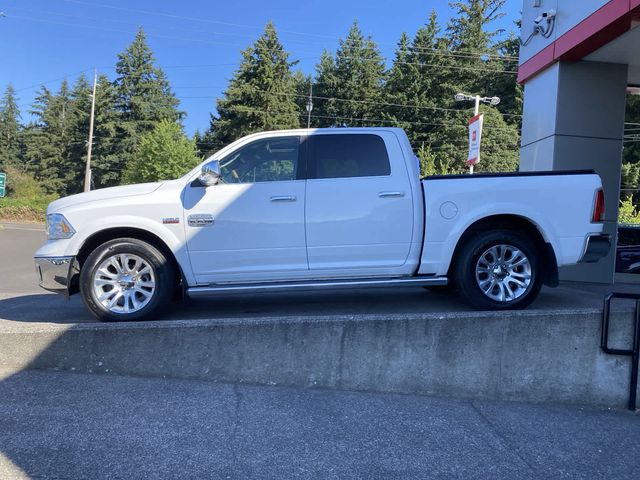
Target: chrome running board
{"points": [[238, 288]]}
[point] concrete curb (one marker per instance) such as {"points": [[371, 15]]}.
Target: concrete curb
{"points": [[534, 356]]}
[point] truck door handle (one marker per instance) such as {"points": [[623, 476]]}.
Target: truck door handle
{"points": [[390, 194], [283, 198]]}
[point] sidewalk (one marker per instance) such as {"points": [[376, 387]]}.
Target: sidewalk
{"points": [[65, 425]]}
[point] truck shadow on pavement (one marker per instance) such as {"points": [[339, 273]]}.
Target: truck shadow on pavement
{"points": [[51, 308], [44, 307]]}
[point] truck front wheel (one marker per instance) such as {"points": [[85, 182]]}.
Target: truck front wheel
{"points": [[126, 279], [498, 270]]}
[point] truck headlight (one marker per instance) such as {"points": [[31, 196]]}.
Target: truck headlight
{"points": [[58, 227]]}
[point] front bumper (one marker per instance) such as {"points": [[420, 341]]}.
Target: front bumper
{"points": [[597, 247], [55, 273]]}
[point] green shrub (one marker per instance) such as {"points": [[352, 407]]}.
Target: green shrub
{"points": [[21, 185], [163, 154], [23, 210], [628, 213], [25, 200]]}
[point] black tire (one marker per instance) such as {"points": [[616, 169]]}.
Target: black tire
{"points": [[164, 277], [466, 262]]}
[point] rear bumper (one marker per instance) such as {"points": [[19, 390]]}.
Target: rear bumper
{"points": [[597, 247], [55, 273]]}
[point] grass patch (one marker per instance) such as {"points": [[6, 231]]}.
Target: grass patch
{"points": [[24, 210]]}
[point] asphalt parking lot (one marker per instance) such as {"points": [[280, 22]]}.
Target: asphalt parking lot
{"points": [[71, 425]]}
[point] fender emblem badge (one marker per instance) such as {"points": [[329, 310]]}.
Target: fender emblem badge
{"points": [[170, 220], [200, 220]]}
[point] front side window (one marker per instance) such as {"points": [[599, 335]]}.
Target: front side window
{"points": [[348, 155], [266, 160]]}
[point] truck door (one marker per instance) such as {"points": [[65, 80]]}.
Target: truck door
{"points": [[250, 226], [359, 205]]}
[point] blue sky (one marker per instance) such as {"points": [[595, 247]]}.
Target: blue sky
{"points": [[197, 42]]}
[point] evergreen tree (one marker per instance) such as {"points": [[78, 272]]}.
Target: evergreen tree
{"points": [[56, 143], [631, 151], [468, 30], [428, 159], [470, 36], [499, 150], [399, 90], [261, 95], [48, 140], [631, 155], [510, 91], [355, 83], [206, 142], [421, 84], [162, 154], [106, 161], [473, 65], [303, 85], [143, 98], [143, 94], [9, 129], [198, 140], [324, 89], [77, 150]]}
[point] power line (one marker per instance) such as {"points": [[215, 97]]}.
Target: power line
{"points": [[317, 97], [210, 42], [410, 48], [239, 25], [46, 82], [370, 102], [379, 120]]}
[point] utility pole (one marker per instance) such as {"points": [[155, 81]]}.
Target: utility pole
{"points": [[310, 104], [461, 97], [87, 170]]}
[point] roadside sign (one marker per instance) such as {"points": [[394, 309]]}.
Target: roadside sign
{"points": [[3, 184], [475, 135]]}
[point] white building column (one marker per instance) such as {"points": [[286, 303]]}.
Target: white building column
{"points": [[573, 119]]}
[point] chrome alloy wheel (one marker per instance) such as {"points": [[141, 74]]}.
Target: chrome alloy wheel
{"points": [[124, 283], [503, 273]]}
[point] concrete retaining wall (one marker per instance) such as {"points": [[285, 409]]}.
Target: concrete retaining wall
{"points": [[527, 356]]}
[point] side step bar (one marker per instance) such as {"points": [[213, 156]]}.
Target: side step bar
{"points": [[235, 288]]}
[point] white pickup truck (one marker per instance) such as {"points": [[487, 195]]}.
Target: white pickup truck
{"points": [[322, 208]]}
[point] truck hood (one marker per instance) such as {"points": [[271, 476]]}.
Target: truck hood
{"points": [[103, 194]]}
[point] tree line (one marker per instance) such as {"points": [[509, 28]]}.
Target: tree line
{"points": [[139, 137]]}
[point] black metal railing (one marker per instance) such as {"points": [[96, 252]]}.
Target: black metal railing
{"points": [[634, 351]]}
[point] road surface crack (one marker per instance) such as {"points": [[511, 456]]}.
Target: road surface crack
{"points": [[503, 440]]}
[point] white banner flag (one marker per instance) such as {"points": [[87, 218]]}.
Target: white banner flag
{"points": [[475, 134]]}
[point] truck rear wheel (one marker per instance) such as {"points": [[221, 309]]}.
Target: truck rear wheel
{"points": [[126, 279], [498, 270]]}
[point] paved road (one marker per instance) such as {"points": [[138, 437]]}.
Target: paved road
{"points": [[17, 246], [65, 425]]}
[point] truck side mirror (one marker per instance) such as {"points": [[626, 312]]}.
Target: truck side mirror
{"points": [[210, 174]]}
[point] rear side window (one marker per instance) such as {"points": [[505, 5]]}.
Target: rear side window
{"points": [[347, 155]]}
